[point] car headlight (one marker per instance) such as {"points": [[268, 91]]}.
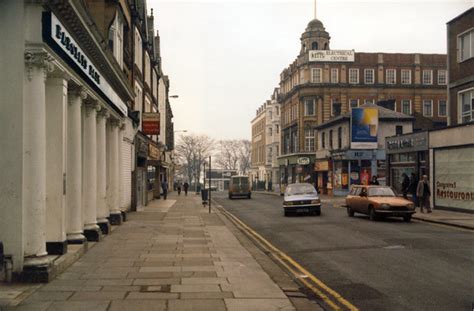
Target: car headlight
{"points": [[385, 206], [411, 206], [317, 201]]}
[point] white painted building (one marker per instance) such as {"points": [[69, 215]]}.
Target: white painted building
{"points": [[64, 102]]}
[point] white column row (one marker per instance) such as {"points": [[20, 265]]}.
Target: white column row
{"points": [[67, 165]]}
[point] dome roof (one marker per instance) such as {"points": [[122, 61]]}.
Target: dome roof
{"points": [[315, 24]]}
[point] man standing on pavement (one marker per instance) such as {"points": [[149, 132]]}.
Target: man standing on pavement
{"points": [[405, 185], [423, 192], [164, 186], [412, 188]]}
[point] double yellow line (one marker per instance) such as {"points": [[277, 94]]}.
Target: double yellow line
{"points": [[328, 295]]}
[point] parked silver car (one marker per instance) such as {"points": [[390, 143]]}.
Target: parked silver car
{"points": [[301, 198]]}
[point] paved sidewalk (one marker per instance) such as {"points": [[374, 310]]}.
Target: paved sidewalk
{"points": [[172, 255], [444, 217]]}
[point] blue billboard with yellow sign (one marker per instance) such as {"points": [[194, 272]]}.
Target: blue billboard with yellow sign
{"points": [[364, 128]]}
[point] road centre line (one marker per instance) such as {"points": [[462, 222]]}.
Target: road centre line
{"points": [[280, 256]]}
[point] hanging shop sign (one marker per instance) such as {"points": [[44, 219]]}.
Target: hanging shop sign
{"points": [[56, 35], [331, 55], [407, 143], [151, 123], [153, 152], [321, 166], [364, 128], [303, 161]]}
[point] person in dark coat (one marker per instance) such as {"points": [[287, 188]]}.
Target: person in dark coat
{"points": [[405, 185], [423, 191], [412, 188], [186, 187], [374, 181], [164, 187]]}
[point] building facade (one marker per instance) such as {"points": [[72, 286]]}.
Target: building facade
{"points": [[339, 164], [259, 170], [273, 141], [77, 81], [460, 33], [322, 84]]}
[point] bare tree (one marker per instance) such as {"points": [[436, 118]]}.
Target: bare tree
{"points": [[244, 156], [192, 151], [227, 156]]}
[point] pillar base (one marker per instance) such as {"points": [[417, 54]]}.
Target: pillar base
{"points": [[116, 219], [124, 216], [76, 238], [93, 235], [35, 270], [104, 227], [56, 248]]}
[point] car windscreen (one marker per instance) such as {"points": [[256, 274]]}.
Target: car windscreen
{"points": [[381, 192], [300, 189]]}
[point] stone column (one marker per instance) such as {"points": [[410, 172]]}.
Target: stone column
{"points": [[74, 223], [56, 117], [114, 174], [89, 171], [121, 172], [37, 64], [102, 209]]}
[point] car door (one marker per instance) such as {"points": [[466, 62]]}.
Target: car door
{"points": [[364, 200], [355, 200]]}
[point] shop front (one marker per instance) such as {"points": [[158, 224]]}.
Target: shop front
{"points": [[297, 169], [153, 171], [355, 167], [406, 154], [139, 179]]}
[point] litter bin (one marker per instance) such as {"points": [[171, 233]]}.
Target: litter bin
{"points": [[205, 195]]}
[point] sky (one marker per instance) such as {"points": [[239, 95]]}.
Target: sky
{"points": [[224, 57]]}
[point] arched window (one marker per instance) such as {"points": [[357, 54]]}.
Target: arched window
{"points": [[314, 45], [304, 47], [325, 46]]}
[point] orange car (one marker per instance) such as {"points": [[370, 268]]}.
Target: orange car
{"points": [[377, 201]]}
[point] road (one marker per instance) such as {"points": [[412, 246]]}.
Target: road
{"points": [[385, 265]]}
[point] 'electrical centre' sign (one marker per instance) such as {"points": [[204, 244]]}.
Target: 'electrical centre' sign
{"points": [[331, 55], [56, 35]]}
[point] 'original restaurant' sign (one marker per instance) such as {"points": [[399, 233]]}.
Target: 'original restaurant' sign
{"points": [[56, 35]]}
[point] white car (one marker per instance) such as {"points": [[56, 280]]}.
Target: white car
{"points": [[301, 198]]}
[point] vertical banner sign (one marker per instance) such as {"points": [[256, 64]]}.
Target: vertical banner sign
{"points": [[364, 128], [151, 123]]}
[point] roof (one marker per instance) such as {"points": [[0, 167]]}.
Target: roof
{"points": [[461, 15], [384, 114]]}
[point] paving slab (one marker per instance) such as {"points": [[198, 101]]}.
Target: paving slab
{"points": [[197, 305], [138, 305], [259, 305]]}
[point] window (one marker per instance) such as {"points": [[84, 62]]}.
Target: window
{"points": [[323, 140], [427, 76], [314, 45], [277, 129], [309, 140], [390, 76], [406, 76], [442, 78], [442, 108], [339, 138], [369, 76], [309, 107], [406, 106], [466, 102], [398, 130], [369, 101], [335, 109], [316, 76], [138, 49], [330, 139], [116, 38], [270, 131], [353, 75], [277, 110], [354, 103], [427, 108], [466, 45], [334, 75]]}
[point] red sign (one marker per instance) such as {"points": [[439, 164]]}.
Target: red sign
{"points": [[151, 123]]}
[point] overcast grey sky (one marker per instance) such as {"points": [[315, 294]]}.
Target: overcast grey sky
{"points": [[224, 57]]}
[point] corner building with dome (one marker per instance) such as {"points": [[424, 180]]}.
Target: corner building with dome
{"points": [[323, 84]]}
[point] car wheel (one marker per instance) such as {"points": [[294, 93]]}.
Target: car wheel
{"points": [[350, 212], [249, 196], [287, 214], [372, 214], [317, 213], [230, 196], [407, 218]]}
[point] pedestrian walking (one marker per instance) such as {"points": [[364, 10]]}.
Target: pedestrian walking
{"points": [[164, 187], [405, 185], [185, 187], [423, 192], [412, 188], [178, 187], [374, 181]]}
